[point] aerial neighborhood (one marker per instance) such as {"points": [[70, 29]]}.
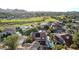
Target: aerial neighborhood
{"points": [[58, 32]]}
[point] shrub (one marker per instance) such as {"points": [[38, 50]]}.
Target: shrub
{"points": [[76, 38], [11, 41], [29, 39], [58, 47], [74, 46]]}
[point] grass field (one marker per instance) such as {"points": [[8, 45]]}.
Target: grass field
{"points": [[24, 22]]}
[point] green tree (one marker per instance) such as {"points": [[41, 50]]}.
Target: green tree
{"points": [[69, 25], [27, 32], [0, 30], [51, 36], [46, 27], [76, 37], [11, 41]]}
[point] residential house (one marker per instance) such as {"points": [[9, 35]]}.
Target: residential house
{"points": [[39, 36], [58, 30], [64, 38], [9, 30], [75, 27], [25, 27], [42, 25], [42, 38], [55, 24]]}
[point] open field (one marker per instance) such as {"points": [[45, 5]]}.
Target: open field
{"points": [[24, 22]]}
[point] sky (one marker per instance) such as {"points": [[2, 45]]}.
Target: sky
{"points": [[41, 5]]}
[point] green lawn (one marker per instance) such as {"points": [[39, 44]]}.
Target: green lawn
{"points": [[25, 22], [51, 20]]}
